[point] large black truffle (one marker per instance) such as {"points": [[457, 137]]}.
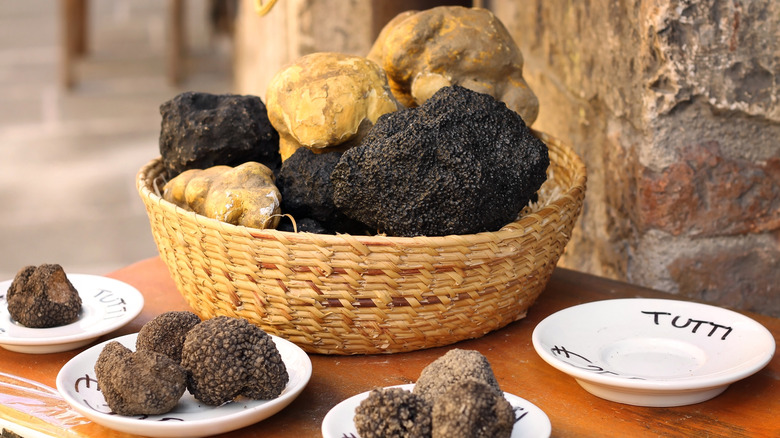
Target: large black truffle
{"points": [[201, 130], [393, 413], [461, 163], [471, 408], [229, 357], [304, 182], [140, 382], [166, 332], [42, 297], [453, 367]]}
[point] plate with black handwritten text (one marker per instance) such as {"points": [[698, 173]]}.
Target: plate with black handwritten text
{"points": [[530, 421], [106, 305], [77, 383], [653, 352]]}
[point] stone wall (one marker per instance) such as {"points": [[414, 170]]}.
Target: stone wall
{"points": [[672, 105]]}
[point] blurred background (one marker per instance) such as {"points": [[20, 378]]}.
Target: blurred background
{"points": [[69, 152], [657, 98]]}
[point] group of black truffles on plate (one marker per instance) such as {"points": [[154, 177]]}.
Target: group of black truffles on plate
{"points": [[216, 360], [457, 395], [43, 297]]}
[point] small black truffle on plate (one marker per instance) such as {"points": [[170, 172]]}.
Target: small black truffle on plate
{"points": [[471, 408], [393, 413], [42, 297], [166, 332], [229, 357], [453, 367], [202, 130], [461, 163], [139, 383]]}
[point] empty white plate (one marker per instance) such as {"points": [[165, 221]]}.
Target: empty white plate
{"points": [[190, 418], [531, 422], [653, 352], [106, 305]]}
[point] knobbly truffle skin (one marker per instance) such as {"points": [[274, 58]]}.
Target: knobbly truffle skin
{"points": [[461, 163], [304, 182], [393, 412], [166, 332], [471, 408], [454, 366], [202, 130], [42, 297], [229, 357], [139, 383]]}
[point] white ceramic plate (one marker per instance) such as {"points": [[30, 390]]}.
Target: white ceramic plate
{"points": [[653, 352], [190, 418], [106, 305], [532, 422]]}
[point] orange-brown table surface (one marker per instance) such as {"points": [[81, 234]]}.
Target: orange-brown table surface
{"points": [[749, 408]]}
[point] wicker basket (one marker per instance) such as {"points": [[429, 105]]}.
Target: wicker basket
{"points": [[346, 294]]}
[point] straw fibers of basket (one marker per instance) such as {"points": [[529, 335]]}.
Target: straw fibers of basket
{"points": [[348, 294]]}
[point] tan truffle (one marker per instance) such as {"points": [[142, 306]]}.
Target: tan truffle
{"points": [[424, 51], [242, 195], [327, 100]]}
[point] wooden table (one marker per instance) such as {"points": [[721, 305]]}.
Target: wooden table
{"points": [[749, 408]]}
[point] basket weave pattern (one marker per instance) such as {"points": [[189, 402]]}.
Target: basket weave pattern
{"points": [[346, 294]]}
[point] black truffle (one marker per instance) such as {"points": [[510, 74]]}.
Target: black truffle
{"points": [[306, 225], [41, 297], [229, 357], [471, 408], [201, 130], [393, 412], [304, 182], [461, 163], [166, 332], [139, 383], [453, 367]]}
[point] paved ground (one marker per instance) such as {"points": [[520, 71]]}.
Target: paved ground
{"points": [[68, 159]]}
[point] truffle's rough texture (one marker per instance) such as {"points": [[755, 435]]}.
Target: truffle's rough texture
{"points": [[201, 130], [41, 297], [461, 163], [242, 195], [139, 383], [453, 367], [166, 332], [453, 45], [326, 100], [471, 408], [393, 412], [304, 182], [229, 357]]}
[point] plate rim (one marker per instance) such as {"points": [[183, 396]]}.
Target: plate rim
{"points": [[131, 314], [701, 382], [164, 429], [331, 412]]}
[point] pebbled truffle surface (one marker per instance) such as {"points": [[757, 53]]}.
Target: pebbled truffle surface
{"points": [[229, 357], [139, 383], [166, 332], [393, 412], [461, 163], [42, 297], [304, 182], [202, 130], [471, 408], [453, 367]]}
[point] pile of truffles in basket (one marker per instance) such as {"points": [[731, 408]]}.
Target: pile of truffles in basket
{"points": [[427, 135]]}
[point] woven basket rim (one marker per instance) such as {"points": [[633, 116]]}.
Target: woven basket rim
{"points": [[510, 231]]}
